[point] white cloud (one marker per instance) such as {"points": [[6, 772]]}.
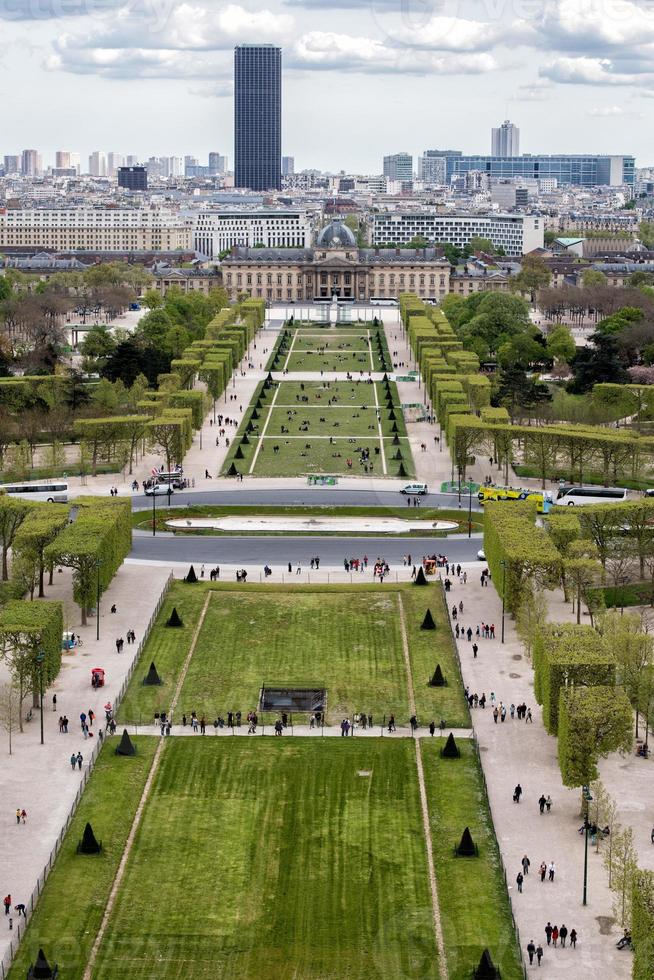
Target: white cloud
{"points": [[327, 51], [613, 112], [584, 71], [583, 25]]}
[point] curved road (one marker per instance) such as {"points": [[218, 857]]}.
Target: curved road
{"points": [[280, 549], [302, 496]]}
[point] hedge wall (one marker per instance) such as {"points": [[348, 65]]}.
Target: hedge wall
{"points": [[642, 925], [566, 655], [594, 721], [35, 626]]}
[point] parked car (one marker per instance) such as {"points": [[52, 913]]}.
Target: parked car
{"points": [[157, 490], [481, 555], [415, 488]]}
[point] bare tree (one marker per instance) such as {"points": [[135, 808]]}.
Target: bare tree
{"points": [[9, 708]]}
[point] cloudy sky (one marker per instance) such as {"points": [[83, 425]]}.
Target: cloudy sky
{"points": [[361, 77]]}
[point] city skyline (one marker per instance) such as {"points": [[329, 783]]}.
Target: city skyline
{"points": [[583, 55]]}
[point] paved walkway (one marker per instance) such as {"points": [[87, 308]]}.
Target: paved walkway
{"points": [[515, 752], [38, 777]]}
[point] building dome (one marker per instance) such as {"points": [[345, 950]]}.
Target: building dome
{"points": [[336, 235]]}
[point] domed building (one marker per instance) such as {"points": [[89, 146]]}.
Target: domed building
{"points": [[335, 267]]}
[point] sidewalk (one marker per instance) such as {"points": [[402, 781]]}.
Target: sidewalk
{"points": [[38, 777], [515, 752]]}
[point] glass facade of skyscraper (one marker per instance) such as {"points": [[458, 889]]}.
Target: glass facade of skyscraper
{"points": [[258, 116], [584, 171]]}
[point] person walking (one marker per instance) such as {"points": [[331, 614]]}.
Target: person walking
{"points": [[550, 871], [80, 759], [73, 761], [563, 934], [20, 908], [555, 936], [541, 803], [573, 938], [517, 793], [531, 949], [475, 650], [525, 865], [542, 871], [432, 728], [539, 953], [7, 903], [23, 815], [519, 879], [548, 932]]}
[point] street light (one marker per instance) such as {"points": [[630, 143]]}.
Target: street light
{"points": [[154, 509], [98, 562], [469, 509], [587, 799], [503, 564], [39, 659]]}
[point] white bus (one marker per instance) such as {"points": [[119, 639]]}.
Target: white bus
{"points": [[383, 301], [54, 492], [578, 496]]}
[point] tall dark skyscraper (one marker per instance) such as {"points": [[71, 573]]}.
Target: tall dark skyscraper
{"points": [[258, 116]]}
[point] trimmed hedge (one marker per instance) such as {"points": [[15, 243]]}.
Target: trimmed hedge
{"points": [[594, 721], [35, 627], [642, 925]]}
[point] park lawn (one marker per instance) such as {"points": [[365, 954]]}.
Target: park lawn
{"points": [[323, 457], [352, 361], [274, 858], [72, 903], [347, 642], [474, 903], [343, 421], [167, 647], [428, 648]]}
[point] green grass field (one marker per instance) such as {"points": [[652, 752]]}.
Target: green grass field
{"points": [[272, 858], [72, 903], [295, 428], [314, 347], [347, 640], [475, 909]]}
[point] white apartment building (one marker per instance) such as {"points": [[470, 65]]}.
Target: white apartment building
{"points": [[217, 231], [95, 229], [517, 234]]}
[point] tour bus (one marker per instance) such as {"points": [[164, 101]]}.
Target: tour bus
{"points": [[542, 498], [578, 496], [383, 301], [53, 492]]}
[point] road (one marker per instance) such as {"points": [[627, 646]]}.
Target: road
{"points": [[280, 549], [301, 496]]}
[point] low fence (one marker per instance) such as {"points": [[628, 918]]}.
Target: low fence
{"points": [[20, 927]]}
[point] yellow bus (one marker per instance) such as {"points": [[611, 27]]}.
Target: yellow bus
{"points": [[542, 498]]}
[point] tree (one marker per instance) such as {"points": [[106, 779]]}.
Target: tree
{"points": [[560, 344], [646, 233], [533, 275], [593, 722], [13, 512], [582, 576], [519, 393], [599, 362], [593, 277], [622, 863], [634, 653], [28, 629], [479, 244], [9, 708], [97, 346], [152, 299]]}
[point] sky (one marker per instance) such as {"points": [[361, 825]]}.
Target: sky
{"points": [[361, 78]]}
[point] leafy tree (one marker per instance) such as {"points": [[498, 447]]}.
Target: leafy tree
{"points": [[97, 346], [451, 253], [153, 327], [519, 393], [534, 275], [596, 363], [479, 244], [646, 233], [152, 299], [9, 707], [13, 512], [593, 723], [622, 863], [5, 288], [593, 277], [418, 241], [560, 344]]}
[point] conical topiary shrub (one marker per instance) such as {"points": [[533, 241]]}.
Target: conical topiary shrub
{"points": [[397, 455], [152, 678], [125, 746], [395, 441], [437, 679], [394, 428], [420, 577], [232, 471], [428, 622], [239, 453], [244, 439], [486, 969], [466, 846], [41, 969], [191, 577], [450, 750], [402, 472], [174, 619], [255, 414], [385, 378], [88, 843]]}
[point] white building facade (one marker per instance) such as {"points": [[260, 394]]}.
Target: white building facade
{"points": [[95, 229], [517, 234], [218, 231]]}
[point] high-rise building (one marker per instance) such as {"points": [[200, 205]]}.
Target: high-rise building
{"points": [[62, 159], [30, 164], [174, 167], [133, 178], [131, 160], [258, 116], [98, 164], [505, 140], [589, 170], [288, 166], [217, 163], [12, 164], [399, 166], [432, 166], [114, 161]]}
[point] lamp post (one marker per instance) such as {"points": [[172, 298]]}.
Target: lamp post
{"points": [[469, 509], [503, 564], [39, 659], [154, 510], [587, 799], [98, 562]]}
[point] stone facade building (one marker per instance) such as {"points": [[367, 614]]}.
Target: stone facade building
{"points": [[336, 266]]}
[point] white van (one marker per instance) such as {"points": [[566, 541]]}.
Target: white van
{"points": [[415, 488]]}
